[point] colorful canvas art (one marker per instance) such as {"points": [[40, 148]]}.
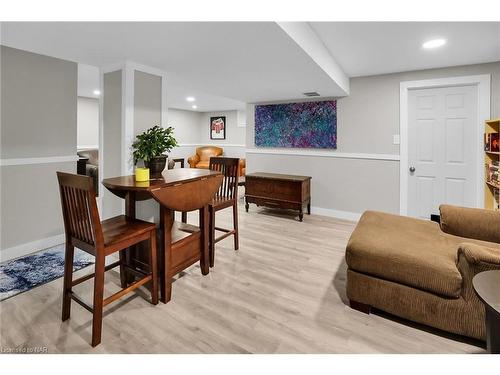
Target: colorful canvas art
{"points": [[298, 125]]}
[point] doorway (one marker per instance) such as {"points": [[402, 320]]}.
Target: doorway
{"points": [[88, 129], [441, 144]]}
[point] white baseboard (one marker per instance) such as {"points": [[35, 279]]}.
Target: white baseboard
{"points": [[345, 215], [30, 247]]}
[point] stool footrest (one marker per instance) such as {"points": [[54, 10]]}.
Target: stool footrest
{"points": [[130, 288], [91, 275]]}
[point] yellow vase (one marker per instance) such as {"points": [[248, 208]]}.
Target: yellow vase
{"points": [[142, 174]]}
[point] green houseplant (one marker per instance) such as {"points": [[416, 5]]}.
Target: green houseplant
{"points": [[151, 146]]}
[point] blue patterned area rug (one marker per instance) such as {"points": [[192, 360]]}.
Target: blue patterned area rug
{"points": [[22, 274]]}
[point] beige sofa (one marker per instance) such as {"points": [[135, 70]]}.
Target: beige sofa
{"points": [[422, 271]]}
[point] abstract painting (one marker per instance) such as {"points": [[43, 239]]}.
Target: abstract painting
{"points": [[297, 125]]}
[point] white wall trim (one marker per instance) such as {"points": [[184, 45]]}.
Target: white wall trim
{"points": [[39, 160], [101, 139], [128, 85], [483, 82], [325, 154], [30, 247], [210, 144], [338, 214], [86, 147]]}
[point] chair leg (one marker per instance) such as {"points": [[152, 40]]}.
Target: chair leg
{"points": [[123, 275], [98, 298], [235, 226], [211, 237], [154, 269], [68, 280]]}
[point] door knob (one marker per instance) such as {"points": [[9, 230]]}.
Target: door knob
{"points": [[412, 169]]}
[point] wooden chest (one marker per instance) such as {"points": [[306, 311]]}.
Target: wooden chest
{"points": [[278, 191]]}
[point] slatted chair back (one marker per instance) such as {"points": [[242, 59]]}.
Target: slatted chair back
{"points": [[79, 206], [229, 167]]}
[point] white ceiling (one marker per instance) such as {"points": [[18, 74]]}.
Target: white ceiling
{"points": [[244, 61], [225, 64], [369, 48], [177, 94]]}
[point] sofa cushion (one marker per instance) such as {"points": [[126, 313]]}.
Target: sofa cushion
{"points": [[406, 250], [91, 154]]}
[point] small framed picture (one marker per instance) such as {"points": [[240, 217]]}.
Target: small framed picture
{"points": [[218, 127]]}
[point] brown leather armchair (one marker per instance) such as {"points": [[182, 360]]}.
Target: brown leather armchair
{"points": [[202, 157], [203, 154]]}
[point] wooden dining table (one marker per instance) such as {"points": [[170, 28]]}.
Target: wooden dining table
{"points": [[132, 191]]}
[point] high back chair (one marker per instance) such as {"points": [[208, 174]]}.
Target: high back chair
{"points": [[226, 196], [84, 230], [184, 244]]}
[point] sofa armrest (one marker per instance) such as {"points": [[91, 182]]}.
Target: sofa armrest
{"points": [[474, 259], [473, 223], [477, 255], [193, 160]]}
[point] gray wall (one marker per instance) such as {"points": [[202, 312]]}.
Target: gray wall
{"points": [[147, 101], [38, 119], [234, 134], [193, 129], [38, 105], [186, 125], [112, 140], [367, 120], [147, 113], [87, 123]]}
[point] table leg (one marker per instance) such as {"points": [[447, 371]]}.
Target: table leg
{"points": [[204, 225], [166, 223], [309, 207], [492, 330], [130, 253]]}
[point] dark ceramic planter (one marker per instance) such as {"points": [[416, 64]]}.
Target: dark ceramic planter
{"points": [[156, 165]]}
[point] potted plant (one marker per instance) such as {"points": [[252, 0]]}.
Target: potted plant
{"points": [[151, 146]]}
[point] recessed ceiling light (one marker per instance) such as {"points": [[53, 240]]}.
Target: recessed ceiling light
{"points": [[434, 43], [190, 99], [97, 92], [194, 106]]}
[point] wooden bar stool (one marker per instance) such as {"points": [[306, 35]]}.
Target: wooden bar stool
{"points": [[85, 230], [184, 244], [227, 196]]}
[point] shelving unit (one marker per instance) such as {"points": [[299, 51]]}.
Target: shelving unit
{"points": [[492, 189]]}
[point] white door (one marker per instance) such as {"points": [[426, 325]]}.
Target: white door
{"points": [[441, 148]]}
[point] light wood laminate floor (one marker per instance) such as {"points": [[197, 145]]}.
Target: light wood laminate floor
{"points": [[282, 292]]}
